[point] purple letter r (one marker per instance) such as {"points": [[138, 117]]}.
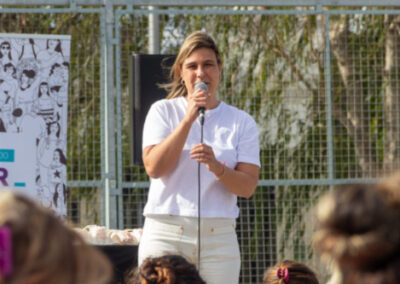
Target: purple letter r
{"points": [[3, 176]]}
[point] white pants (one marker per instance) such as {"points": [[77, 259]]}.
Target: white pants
{"points": [[219, 255]]}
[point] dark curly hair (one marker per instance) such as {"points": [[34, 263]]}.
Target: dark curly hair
{"points": [[168, 269]]}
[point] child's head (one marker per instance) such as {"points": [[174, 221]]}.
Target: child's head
{"points": [[289, 272], [359, 230], [356, 226], [168, 269], [43, 249]]}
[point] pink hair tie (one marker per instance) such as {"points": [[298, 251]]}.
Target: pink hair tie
{"points": [[283, 273], [5, 251]]}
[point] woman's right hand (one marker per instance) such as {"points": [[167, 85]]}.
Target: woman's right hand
{"points": [[195, 100]]}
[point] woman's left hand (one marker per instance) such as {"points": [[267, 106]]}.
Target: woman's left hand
{"points": [[203, 153], [242, 180]]}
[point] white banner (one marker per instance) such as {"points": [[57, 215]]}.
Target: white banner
{"points": [[34, 73]]}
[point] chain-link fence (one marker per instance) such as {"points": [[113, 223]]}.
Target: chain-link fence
{"points": [[322, 82]]}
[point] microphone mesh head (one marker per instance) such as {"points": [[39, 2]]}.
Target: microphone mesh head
{"points": [[201, 85]]}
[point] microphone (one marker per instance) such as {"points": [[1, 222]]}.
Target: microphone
{"points": [[201, 85]]}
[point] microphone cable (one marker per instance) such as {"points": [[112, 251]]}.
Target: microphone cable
{"points": [[199, 85], [198, 196]]}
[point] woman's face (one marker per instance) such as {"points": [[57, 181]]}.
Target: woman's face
{"points": [[53, 128], [58, 71], [5, 48], [201, 66], [44, 89], [24, 80], [56, 157], [9, 71], [52, 44]]}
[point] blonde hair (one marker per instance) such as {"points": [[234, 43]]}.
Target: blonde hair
{"points": [[45, 250], [297, 273], [193, 42]]}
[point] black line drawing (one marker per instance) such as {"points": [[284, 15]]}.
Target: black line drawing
{"points": [[34, 75]]}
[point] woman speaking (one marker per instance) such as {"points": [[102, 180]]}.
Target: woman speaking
{"points": [[228, 157]]}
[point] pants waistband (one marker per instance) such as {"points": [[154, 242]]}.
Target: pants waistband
{"points": [[205, 223]]}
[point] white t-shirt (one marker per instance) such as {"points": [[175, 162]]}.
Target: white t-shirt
{"points": [[233, 135]]}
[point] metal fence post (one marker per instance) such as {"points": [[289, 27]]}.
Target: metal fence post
{"points": [[154, 32], [110, 162]]}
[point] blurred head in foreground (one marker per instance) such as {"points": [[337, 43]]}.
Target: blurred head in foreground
{"points": [[359, 231], [37, 247]]}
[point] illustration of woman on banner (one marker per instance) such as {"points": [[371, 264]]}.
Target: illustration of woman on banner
{"points": [[51, 55], [6, 99], [10, 78], [44, 103], [27, 48], [44, 194], [46, 147], [7, 54], [58, 83], [59, 73], [27, 72], [8, 88], [56, 177]]}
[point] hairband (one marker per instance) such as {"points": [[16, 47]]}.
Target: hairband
{"points": [[5, 251], [283, 273]]}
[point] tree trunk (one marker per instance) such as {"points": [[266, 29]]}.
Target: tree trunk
{"points": [[392, 90], [349, 108]]}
